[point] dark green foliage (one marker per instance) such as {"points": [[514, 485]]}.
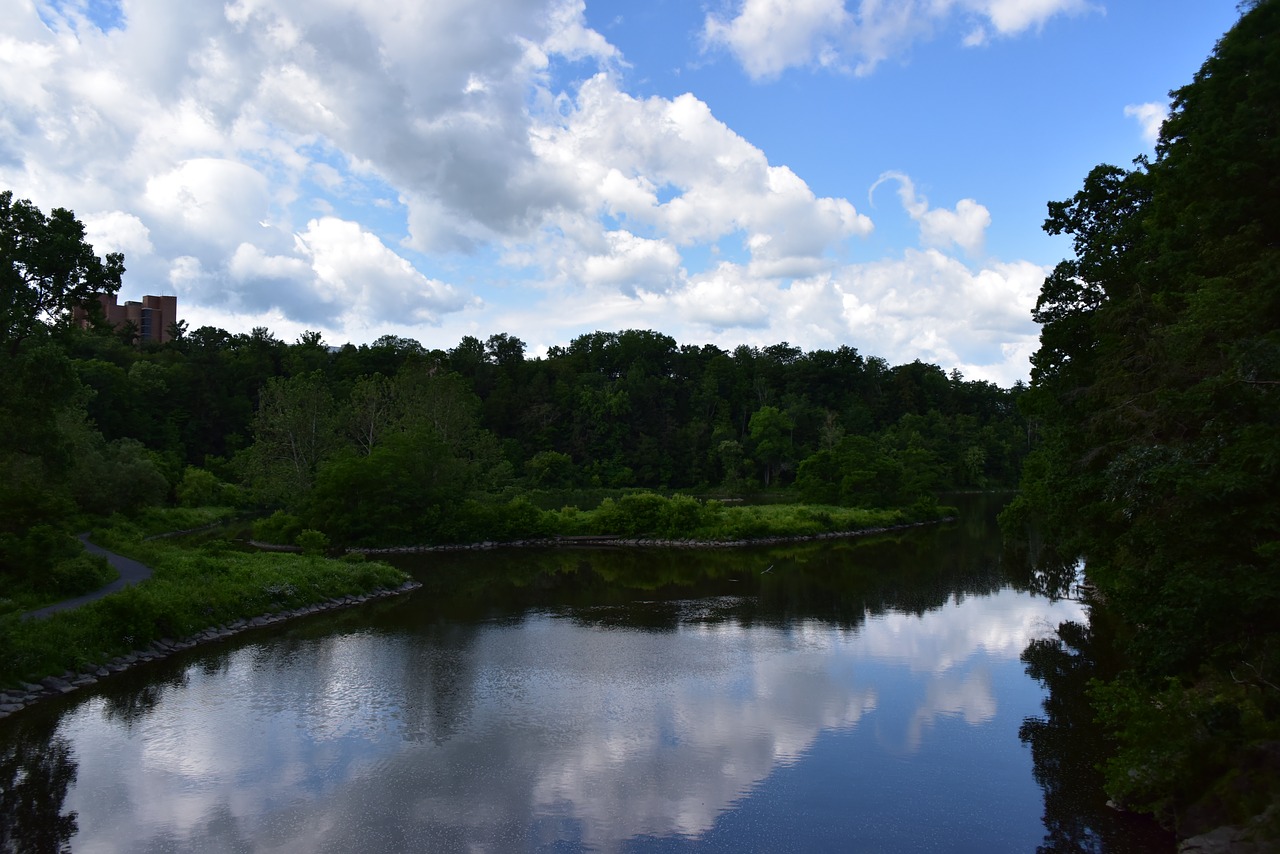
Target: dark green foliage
{"points": [[79, 574], [551, 470], [312, 542], [201, 488], [1156, 393], [400, 493], [192, 589], [280, 528], [46, 270]]}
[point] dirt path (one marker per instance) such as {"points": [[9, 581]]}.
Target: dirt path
{"points": [[131, 572]]}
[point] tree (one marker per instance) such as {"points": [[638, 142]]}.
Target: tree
{"points": [[1157, 391], [771, 440], [47, 270], [371, 412], [293, 431]]}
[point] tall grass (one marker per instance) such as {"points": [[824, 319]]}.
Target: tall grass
{"points": [[192, 589], [684, 518]]}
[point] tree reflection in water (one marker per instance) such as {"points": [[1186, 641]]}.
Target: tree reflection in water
{"points": [[1067, 748], [36, 769]]}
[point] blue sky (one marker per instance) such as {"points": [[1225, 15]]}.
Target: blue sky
{"points": [[823, 172]]}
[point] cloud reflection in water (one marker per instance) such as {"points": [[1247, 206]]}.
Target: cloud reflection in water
{"points": [[512, 735]]}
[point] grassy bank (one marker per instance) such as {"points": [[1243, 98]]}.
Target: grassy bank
{"points": [[636, 515], [682, 517], [193, 588], [198, 586]]}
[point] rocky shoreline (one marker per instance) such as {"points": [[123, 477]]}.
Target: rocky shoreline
{"points": [[14, 700], [644, 542]]}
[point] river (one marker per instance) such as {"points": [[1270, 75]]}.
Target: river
{"points": [[853, 695]]}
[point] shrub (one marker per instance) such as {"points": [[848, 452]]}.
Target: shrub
{"points": [[681, 517], [198, 488], [80, 574], [280, 528], [312, 542]]}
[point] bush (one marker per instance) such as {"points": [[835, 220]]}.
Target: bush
{"points": [[681, 517], [312, 542], [201, 488], [280, 528], [80, 574]]}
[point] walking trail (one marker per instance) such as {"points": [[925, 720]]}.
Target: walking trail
{"points": [[131, 572]]}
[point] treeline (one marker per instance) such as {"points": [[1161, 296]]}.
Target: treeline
{"points": [[391, 442], [385, 442], [625, 409], [1156, 394]]}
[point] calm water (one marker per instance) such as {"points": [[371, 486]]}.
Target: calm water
{"points": [[856, 696]]}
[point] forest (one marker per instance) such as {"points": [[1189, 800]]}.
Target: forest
{"points": [[1155, 398], [390, 443]]}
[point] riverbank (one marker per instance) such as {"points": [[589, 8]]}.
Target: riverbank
{"points": [[71, 649], [195, 594], [610, 540], [26, 694]]}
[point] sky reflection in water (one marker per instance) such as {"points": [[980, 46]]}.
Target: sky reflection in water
{"points": [[558, 731]]}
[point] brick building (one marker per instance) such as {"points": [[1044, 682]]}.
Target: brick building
{"points": [[151, 317]]}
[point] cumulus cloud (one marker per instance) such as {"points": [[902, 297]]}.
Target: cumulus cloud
{"points": [[1150, 117], [354, 267], [632, 262], [339, 272], [714, 183], [726, 299], [965, 226], [769, 36], [211, 201], [304, 163], [117, 231]]}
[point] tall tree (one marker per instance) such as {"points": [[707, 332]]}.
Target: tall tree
{"points": [[294, 430], [47, 270]]}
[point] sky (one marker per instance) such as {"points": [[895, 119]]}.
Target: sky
{"points": [[870, 173]]}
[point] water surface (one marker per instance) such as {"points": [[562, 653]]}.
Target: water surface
{"points": [[844, 696]]}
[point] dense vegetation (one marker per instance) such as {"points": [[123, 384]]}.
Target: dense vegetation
{"points": [[1153, 410], [392, 443], [193, 588], [1156, 398]]}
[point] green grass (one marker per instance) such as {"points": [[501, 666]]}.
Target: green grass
{"points": [[648, 515], [193, 588]]}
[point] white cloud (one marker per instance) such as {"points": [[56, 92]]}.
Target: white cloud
{"points": [[932, 307], [633, 262], [358, 273], [939, 228], [622, 149], [769, 36], [211, 201], [273, 159], [570, 38], [726, 299], [1150, 117], [117, 231]]}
